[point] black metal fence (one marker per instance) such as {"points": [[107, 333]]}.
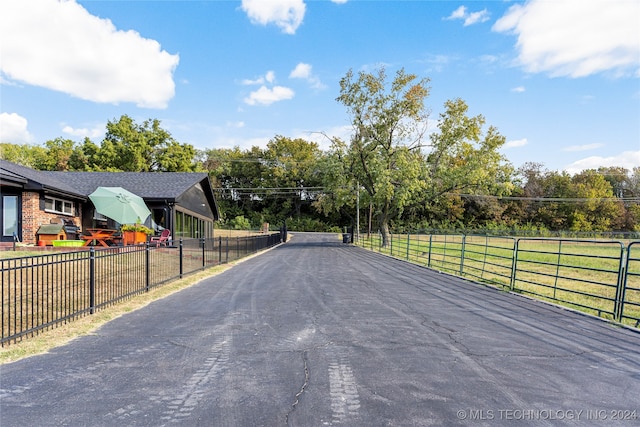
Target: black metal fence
{"points": [[42, 291]]}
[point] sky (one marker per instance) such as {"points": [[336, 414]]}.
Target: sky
{"points": [[559, 79]]}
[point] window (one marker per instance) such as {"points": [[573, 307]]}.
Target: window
{"points": [[188, 226], [59, 206], [9, 215]]}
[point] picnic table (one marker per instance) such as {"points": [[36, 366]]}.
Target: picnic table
{"points": [[101, 237]]}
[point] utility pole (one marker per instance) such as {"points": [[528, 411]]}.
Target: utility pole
{"points": [[357, 232]]}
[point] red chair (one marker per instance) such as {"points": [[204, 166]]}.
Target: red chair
{"points": [[163, 239]]}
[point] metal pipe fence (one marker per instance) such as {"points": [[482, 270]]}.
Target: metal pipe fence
{"points": [[600, 277], [630, 289], [42, 291]]}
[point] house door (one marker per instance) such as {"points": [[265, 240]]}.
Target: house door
{"points": [[10, 217]]}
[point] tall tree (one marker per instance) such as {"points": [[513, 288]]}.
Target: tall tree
{"points": [[465, 159], [388, 158], [148, 147], [384, 155]]}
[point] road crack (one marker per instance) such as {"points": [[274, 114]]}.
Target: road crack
{"points": [[302, 389]]}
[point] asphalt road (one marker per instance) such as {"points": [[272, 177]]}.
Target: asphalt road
{"points": [[318, 333]]}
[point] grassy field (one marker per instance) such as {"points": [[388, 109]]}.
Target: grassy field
{"points": [[581, 274]]}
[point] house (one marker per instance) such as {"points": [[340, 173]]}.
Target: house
{"points": [[180, 201]]}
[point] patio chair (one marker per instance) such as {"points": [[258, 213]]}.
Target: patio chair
{"points": [[163, 239]]}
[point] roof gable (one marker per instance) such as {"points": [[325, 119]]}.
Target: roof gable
{"points": [[166, 186], [38, 180], [148, 185]]}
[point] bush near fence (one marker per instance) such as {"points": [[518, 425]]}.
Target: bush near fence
{"points": [[42, 291], [600, 277]]}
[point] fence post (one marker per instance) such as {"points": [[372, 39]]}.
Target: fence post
{"points": [[408, 237], [514, 265], [430, 243], [623, 269], [219, 250], [227, 251], [92, 280], [555, 281], [464, 243], [203, 242], [147, 266], [181, 256]]}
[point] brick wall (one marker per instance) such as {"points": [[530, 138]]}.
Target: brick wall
{"points": [[33, 217]]}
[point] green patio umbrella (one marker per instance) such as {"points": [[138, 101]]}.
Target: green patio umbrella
{"points": [[120, 205]]}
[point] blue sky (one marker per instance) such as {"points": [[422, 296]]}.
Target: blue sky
{"points": [[559, 79]]}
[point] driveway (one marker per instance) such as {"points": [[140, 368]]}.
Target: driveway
{"points": [[319, 333]]}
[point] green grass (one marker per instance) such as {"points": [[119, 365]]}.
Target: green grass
{"points": [[579, 274]]}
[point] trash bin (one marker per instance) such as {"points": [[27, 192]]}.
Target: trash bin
{"points": [[346, 237]]}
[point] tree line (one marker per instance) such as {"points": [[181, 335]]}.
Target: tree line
{"points": [[394, 171]]}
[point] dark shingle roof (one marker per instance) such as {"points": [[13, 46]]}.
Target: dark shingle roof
{"points": [[39, 177], [148, 185]]}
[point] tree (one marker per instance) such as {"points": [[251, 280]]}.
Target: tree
{"points": [[236, 173], [128, 146], [384, 155], [291, 165], [388, 158], [60, 153], [597, 209], [32, 156], [463, 159]]}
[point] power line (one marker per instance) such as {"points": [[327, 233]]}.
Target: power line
{"points": [[297, 190], [550, 199], [269, 188]]}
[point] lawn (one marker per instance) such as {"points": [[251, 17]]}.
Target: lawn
{"points": [[587, 275]]}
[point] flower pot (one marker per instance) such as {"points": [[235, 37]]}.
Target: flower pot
{"points": [[133, 237]]}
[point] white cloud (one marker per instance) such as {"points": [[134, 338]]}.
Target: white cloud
{"points": [[13, 129], [269, 77], [95, 132], [576, 38], [285, 14], [469, 18], [516, 143], [249, 82], [627, 159], [6, 82], [303, 71], [458, 13], [266, 96], [339, 1], [60, 46], [518, 89], [586, 147]]}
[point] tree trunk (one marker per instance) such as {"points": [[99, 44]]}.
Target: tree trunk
{"points": [[384, 225], [384, 230]]}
